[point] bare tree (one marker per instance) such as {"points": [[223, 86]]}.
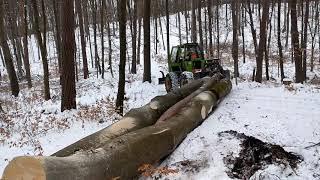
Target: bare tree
{"points": [[235, 36], [25, 44], [295, 42], [209, 4], [193, 22], [263, 40], [146, 33], [7, 55], [122, 33], [134, 39], [147, 15], [43, 49], [305, 40], [279, 41], [200, 23], [83, 40], [68, 100]]}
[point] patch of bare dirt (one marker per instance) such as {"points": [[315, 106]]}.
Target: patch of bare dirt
{"points": [[256, 155]]}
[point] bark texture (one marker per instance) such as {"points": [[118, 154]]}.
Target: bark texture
{"points": [[135, 119]]}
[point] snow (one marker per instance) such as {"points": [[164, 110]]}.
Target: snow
{"points": [[274, 113], [268, 112]]}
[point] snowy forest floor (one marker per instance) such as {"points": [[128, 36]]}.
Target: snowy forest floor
{"points": [[274, 113]]}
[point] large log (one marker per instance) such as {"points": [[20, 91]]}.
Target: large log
{"points": [[175, 108], [135, 119], [121, 157]]}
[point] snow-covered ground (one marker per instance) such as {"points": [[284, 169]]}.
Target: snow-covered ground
{"points": [[274, 113], [269, 112]]}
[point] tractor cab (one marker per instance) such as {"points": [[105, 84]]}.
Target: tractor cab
{"points": [[186, 63], [185, 57]]}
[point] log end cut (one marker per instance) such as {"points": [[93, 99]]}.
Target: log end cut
{"points": [[24, 168]]}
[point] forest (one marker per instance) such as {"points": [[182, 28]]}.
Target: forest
{"points": [[71, 68]]}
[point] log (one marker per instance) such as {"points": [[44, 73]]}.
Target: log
{"points": [[135, 119], [175, 108], [121, 157]]}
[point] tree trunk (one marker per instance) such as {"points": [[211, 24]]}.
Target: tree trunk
{"points": [[193, 22], [279, 41], [102, 9], [7, 55], [218, 28], [110, 48], [139, 41], [295, 42], [43, 50], [168, 31], [175, 108], [209, 4], [25, 44], [56, 11], [200, 24], [135, 119], [83, 40], [68, 100], [263, 40], [305, 40], [122, 67], [235, 37], [146, 33], [121, 157], [134, 39], [253, 30], [95, 43]]}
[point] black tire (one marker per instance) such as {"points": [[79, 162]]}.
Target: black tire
{"points": [[226, 74], [185, 78], [171, 81]]}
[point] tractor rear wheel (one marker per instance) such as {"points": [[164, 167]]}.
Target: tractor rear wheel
{"points": [[171, 81], [185, 78]]}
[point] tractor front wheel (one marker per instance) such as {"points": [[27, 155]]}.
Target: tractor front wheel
{"points": [[171, 81]]}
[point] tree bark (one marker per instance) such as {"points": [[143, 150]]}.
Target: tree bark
{"points": [[102, 9], [43, 50], [200, 24], [263, 40], [110, 47], [56, 11], [134, 39], [209, 4], [68, 100], [235, 42], [146, 33], [83, 40], [175, 108], [295, 42], [193, 22], [135, 119], [253, 30], [279, 41], [122, 33], [305, 40], [168, 30], [121, 157], [25, 44], [7, 55]]}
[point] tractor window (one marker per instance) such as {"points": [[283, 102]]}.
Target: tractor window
{"points": [[193, 52], [174, 54], [182, 51]]}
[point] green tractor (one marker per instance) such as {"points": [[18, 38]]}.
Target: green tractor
{"points": [[187, 63]]}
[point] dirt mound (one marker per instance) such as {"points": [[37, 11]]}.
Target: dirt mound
{"points": [[256, 155]]}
